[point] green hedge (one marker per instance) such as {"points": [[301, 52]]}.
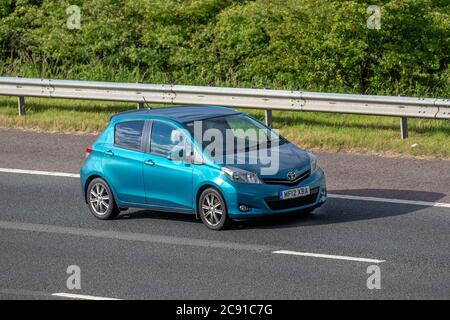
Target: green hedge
{"points": [[288, 44]]}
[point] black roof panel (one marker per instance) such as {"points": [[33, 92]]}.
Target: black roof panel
{"points": [[181, 114]]}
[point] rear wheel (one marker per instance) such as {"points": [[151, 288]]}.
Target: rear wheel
{"points": [[213, 210], [101, 200]]}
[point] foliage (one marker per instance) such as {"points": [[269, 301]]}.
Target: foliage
{"points": [[290, 44]]}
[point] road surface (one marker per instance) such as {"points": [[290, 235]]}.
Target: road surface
{"points": [[45, 227]]}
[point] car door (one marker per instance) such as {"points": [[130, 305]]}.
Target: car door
{"points": [[123, 161], [167, 177]]}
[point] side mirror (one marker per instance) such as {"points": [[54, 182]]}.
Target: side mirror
{"points": [[194, 157], [176, 155]]}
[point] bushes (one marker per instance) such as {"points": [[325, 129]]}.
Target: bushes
{"points": [[304, 45], [291, 44]]}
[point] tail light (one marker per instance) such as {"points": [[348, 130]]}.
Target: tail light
{"points": [[88, 152]]}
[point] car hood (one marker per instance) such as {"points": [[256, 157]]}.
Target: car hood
{"points": [[290, 158]]}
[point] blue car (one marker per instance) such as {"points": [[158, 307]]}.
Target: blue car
{"points": [[213, 162]]}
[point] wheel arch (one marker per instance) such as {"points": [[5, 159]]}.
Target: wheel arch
{"points": [[95, 176], [203, 188]]}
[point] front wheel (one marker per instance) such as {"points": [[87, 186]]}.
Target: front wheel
{"points": [[213, 210], [101, 200]]}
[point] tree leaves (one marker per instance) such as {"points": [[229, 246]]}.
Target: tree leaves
{"points": [[290, 44]]}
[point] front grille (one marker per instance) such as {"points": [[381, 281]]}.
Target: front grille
{"points": [[275, 203], [286, 182]]}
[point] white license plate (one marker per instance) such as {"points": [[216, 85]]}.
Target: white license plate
{"points": [[295, 193]]}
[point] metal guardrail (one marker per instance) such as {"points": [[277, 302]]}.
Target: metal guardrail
{"points": [[265, 99]]}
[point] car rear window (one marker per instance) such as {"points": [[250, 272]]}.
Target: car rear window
{"points": [[129, 134]]}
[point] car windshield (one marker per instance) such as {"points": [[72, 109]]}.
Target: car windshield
{"points": [[238, 133]]}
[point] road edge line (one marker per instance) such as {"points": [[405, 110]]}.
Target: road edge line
{"points": [[327, 256], [80, 296]]}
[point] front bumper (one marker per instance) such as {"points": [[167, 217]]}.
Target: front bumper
{"points": [[263, 199]]}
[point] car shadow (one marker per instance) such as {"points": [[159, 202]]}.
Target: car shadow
{"points": [[333, 212], [345, 210], [156, 215]]}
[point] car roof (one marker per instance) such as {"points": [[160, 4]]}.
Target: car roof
{"points": [[182, 114]]}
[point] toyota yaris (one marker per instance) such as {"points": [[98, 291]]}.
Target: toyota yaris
{"points": [[213, 162]]}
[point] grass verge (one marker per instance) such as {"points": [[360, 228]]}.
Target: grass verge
{"points": [[316, 131]]}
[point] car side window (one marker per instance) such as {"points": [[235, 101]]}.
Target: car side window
{"points": [[166, 140], [128, 134]]}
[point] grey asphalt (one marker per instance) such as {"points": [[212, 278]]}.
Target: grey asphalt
{"points": [[367, 175], [45, 227]]}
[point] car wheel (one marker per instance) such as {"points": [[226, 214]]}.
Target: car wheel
{"points": [[101, 200], [213, 210]]}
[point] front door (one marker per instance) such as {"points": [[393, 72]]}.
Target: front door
{"points": [[167, 177]]}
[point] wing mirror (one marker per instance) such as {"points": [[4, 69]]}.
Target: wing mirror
{"points": [[176, 155], [194, 157]]}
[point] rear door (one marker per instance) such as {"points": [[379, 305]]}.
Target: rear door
{"points": [[167, 177], [123, 161]]}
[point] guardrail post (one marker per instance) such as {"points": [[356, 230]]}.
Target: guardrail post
{"points": [[140, 105], [268, 117], [21, 105], [404, 127]]}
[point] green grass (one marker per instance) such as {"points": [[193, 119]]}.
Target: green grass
{"points": [[316, 131]]}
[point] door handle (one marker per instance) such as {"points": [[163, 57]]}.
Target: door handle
{"points": [[149, 162], [109, 153]]}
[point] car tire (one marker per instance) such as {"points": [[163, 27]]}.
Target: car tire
{"points": [[212, 210], [100, 200]]}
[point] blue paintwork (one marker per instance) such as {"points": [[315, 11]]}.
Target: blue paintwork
{"points": [[174, 186]]}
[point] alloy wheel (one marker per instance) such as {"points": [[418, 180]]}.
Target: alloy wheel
{"points": [[99, 199], [212, 209]]}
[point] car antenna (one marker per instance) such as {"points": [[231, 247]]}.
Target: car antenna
{"points": [[146, 103]]}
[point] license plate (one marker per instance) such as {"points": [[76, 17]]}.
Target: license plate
{"points": [[295, 193]]}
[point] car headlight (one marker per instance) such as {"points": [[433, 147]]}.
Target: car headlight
{"points": [[239, 175], [313, 162]]}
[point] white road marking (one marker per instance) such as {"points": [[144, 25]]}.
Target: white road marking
{"points": [[132, 236], [41, 173], [156, 239], [41, 294], [327, 256], [388, 200], [80, 296], [335, 196], [24, 293]]}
